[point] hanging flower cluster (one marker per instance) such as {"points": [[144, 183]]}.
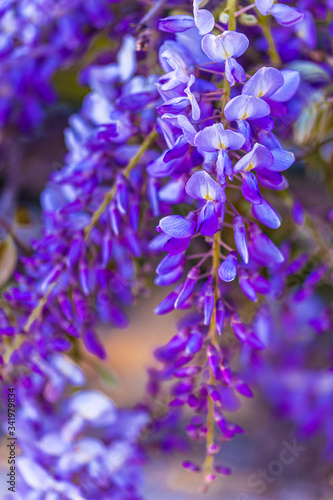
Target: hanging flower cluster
{"points": [[36, 39], [178, 149]]}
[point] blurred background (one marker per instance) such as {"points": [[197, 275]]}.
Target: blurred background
{"points": [[254, 457], [123, 375]]}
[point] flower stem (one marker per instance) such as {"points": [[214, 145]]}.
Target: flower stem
{"points": [[231, 10], [128, 169], [208, 464], [37, 311], [244, 9], [265, 24]]}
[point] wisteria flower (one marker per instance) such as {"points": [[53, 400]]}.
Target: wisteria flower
{"points": [[215, 139], [178, 104], [225, 48], [201, 186], [204, 19]]}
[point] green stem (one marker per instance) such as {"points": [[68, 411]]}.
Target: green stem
{"points": [[265, 24], [128, 169], [209, 460], [231, 10], [37, 311]]}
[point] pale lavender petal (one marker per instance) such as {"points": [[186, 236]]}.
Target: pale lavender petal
{"points": [[33, 474], [264, 83], [291, 81], [234, 43], [234, 72], [228, 269], [208, 139], [201, 186], [222, 47], [282, 159], [266, 214], [263, 6], [187, 128], [245, 107], [91, 405], [258, 157], [204, 19]]}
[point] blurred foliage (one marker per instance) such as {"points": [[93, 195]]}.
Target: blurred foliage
{"points": [[315, 123], [23, 217], [66, 80], [8, 259]]}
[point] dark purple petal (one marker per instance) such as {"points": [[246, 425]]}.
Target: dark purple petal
{"points": [[93, 344], [234, 72], [246, 285], [191, 466], [176, 24], [297, 213], [213, 358], [208, 221], [194, 342], [219, 316], [240, 238], [222, 469], [250, 188], [188, 287]]}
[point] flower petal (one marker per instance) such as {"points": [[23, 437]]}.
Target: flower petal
{"points": [[201, 186], [266, 214], [264, 83], [291, 81], [245, 107], [282, 159], [204, 19], [228, 269], [286, 15], [176, 24], [263, 6], [250, 188], [258, 157], [177, 226]]}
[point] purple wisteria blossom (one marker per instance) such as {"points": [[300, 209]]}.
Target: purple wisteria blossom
{"points": [[177, 162], [226, 48]]}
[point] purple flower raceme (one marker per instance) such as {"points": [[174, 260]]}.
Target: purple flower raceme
{"points": [[29, 33], [79, 447], [65, 291], [178, 151], [242, 152]]}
